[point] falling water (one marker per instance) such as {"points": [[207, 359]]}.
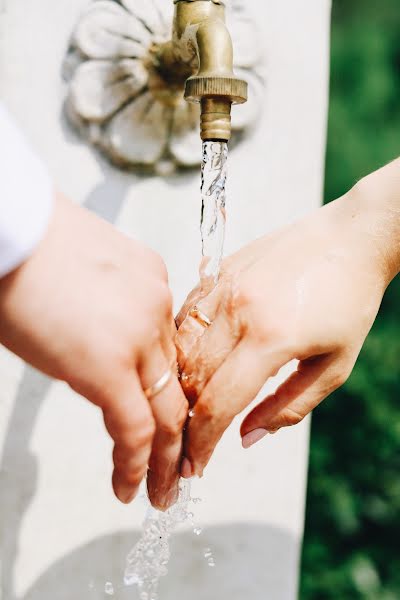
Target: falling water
{"points": [[148, 560], [213, 217]]}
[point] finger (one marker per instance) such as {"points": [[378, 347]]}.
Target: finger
{"points": [[230, 390], [313, 381], [191, 330], [201, 291], [208, 354], [169, 408], [194, 296], [130, 423], [167, 341]]}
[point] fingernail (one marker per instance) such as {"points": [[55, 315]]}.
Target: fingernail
{"points": [[253, 437], [166, 501], [126, 495], [186, 469], [173, 497]]}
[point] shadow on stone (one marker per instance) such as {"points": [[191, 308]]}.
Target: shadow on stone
{"points": [[252, 562]]}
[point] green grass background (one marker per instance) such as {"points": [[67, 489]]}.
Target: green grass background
{"points": [[352, 537]]}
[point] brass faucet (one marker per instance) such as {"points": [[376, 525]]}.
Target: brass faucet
{"points": [[201, 53]]}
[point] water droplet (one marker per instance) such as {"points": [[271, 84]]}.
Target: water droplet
{"points": [[191, 413], [131, 578], [207, 553], [109, 588], [197, 530], [211, 562], [196, 500], [190, 515]]}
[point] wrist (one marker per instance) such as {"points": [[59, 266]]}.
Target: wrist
{"points": [[374, 207]]}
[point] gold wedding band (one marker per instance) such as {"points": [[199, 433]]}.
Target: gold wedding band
{"points": [[200, 317], [153, 391]]}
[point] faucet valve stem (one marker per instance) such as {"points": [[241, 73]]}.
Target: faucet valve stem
{"points": [[215, 121], [216, 96]]}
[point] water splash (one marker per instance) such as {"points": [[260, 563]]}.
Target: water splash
{"points": [[109, 588], [148, 560], [213, 216]]}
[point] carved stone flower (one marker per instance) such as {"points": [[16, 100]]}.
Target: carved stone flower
{"points": [[123, 103]]}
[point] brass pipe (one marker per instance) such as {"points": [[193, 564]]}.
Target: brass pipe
{"points": [[201, 39]]}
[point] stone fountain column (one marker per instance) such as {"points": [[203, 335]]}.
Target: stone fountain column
{"points": [[63, 535]]}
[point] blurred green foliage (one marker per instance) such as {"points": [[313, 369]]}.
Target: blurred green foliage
{"points": [[352, 538]]}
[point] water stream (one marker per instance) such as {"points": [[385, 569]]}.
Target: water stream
{"points": [[148, 560], [213, 216]]}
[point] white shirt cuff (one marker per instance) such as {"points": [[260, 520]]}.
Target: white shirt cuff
{"points": [[26, 197]]}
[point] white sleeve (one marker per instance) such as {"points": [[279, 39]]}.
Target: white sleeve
{"points": [[26, 197]]}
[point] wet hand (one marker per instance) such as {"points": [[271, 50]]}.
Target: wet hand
{"points": [[93, 308], [309, 292]]}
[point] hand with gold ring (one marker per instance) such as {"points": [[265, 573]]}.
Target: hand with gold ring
{"points": [[309, 292], [92, 307]]}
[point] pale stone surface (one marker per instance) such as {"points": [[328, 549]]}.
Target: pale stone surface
{"points": [[61, 529]]}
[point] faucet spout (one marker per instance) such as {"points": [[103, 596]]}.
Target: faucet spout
{"points": [[202, 40]]}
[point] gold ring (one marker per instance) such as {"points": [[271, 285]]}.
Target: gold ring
{"points": [[159, 386], [200, 317]]}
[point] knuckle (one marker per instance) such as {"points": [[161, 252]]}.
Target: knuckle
{"points": [[339, 378], [134, 475], [288, 418], [158, 265], [191, 386], [120, 458], [208, 411], [259, 330], [136, 436], [268, 335], [126, 469], [261, 327], [144, 433], [161, 301], [182, 414], [165, 299], [245, 295], [173, 426]]}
